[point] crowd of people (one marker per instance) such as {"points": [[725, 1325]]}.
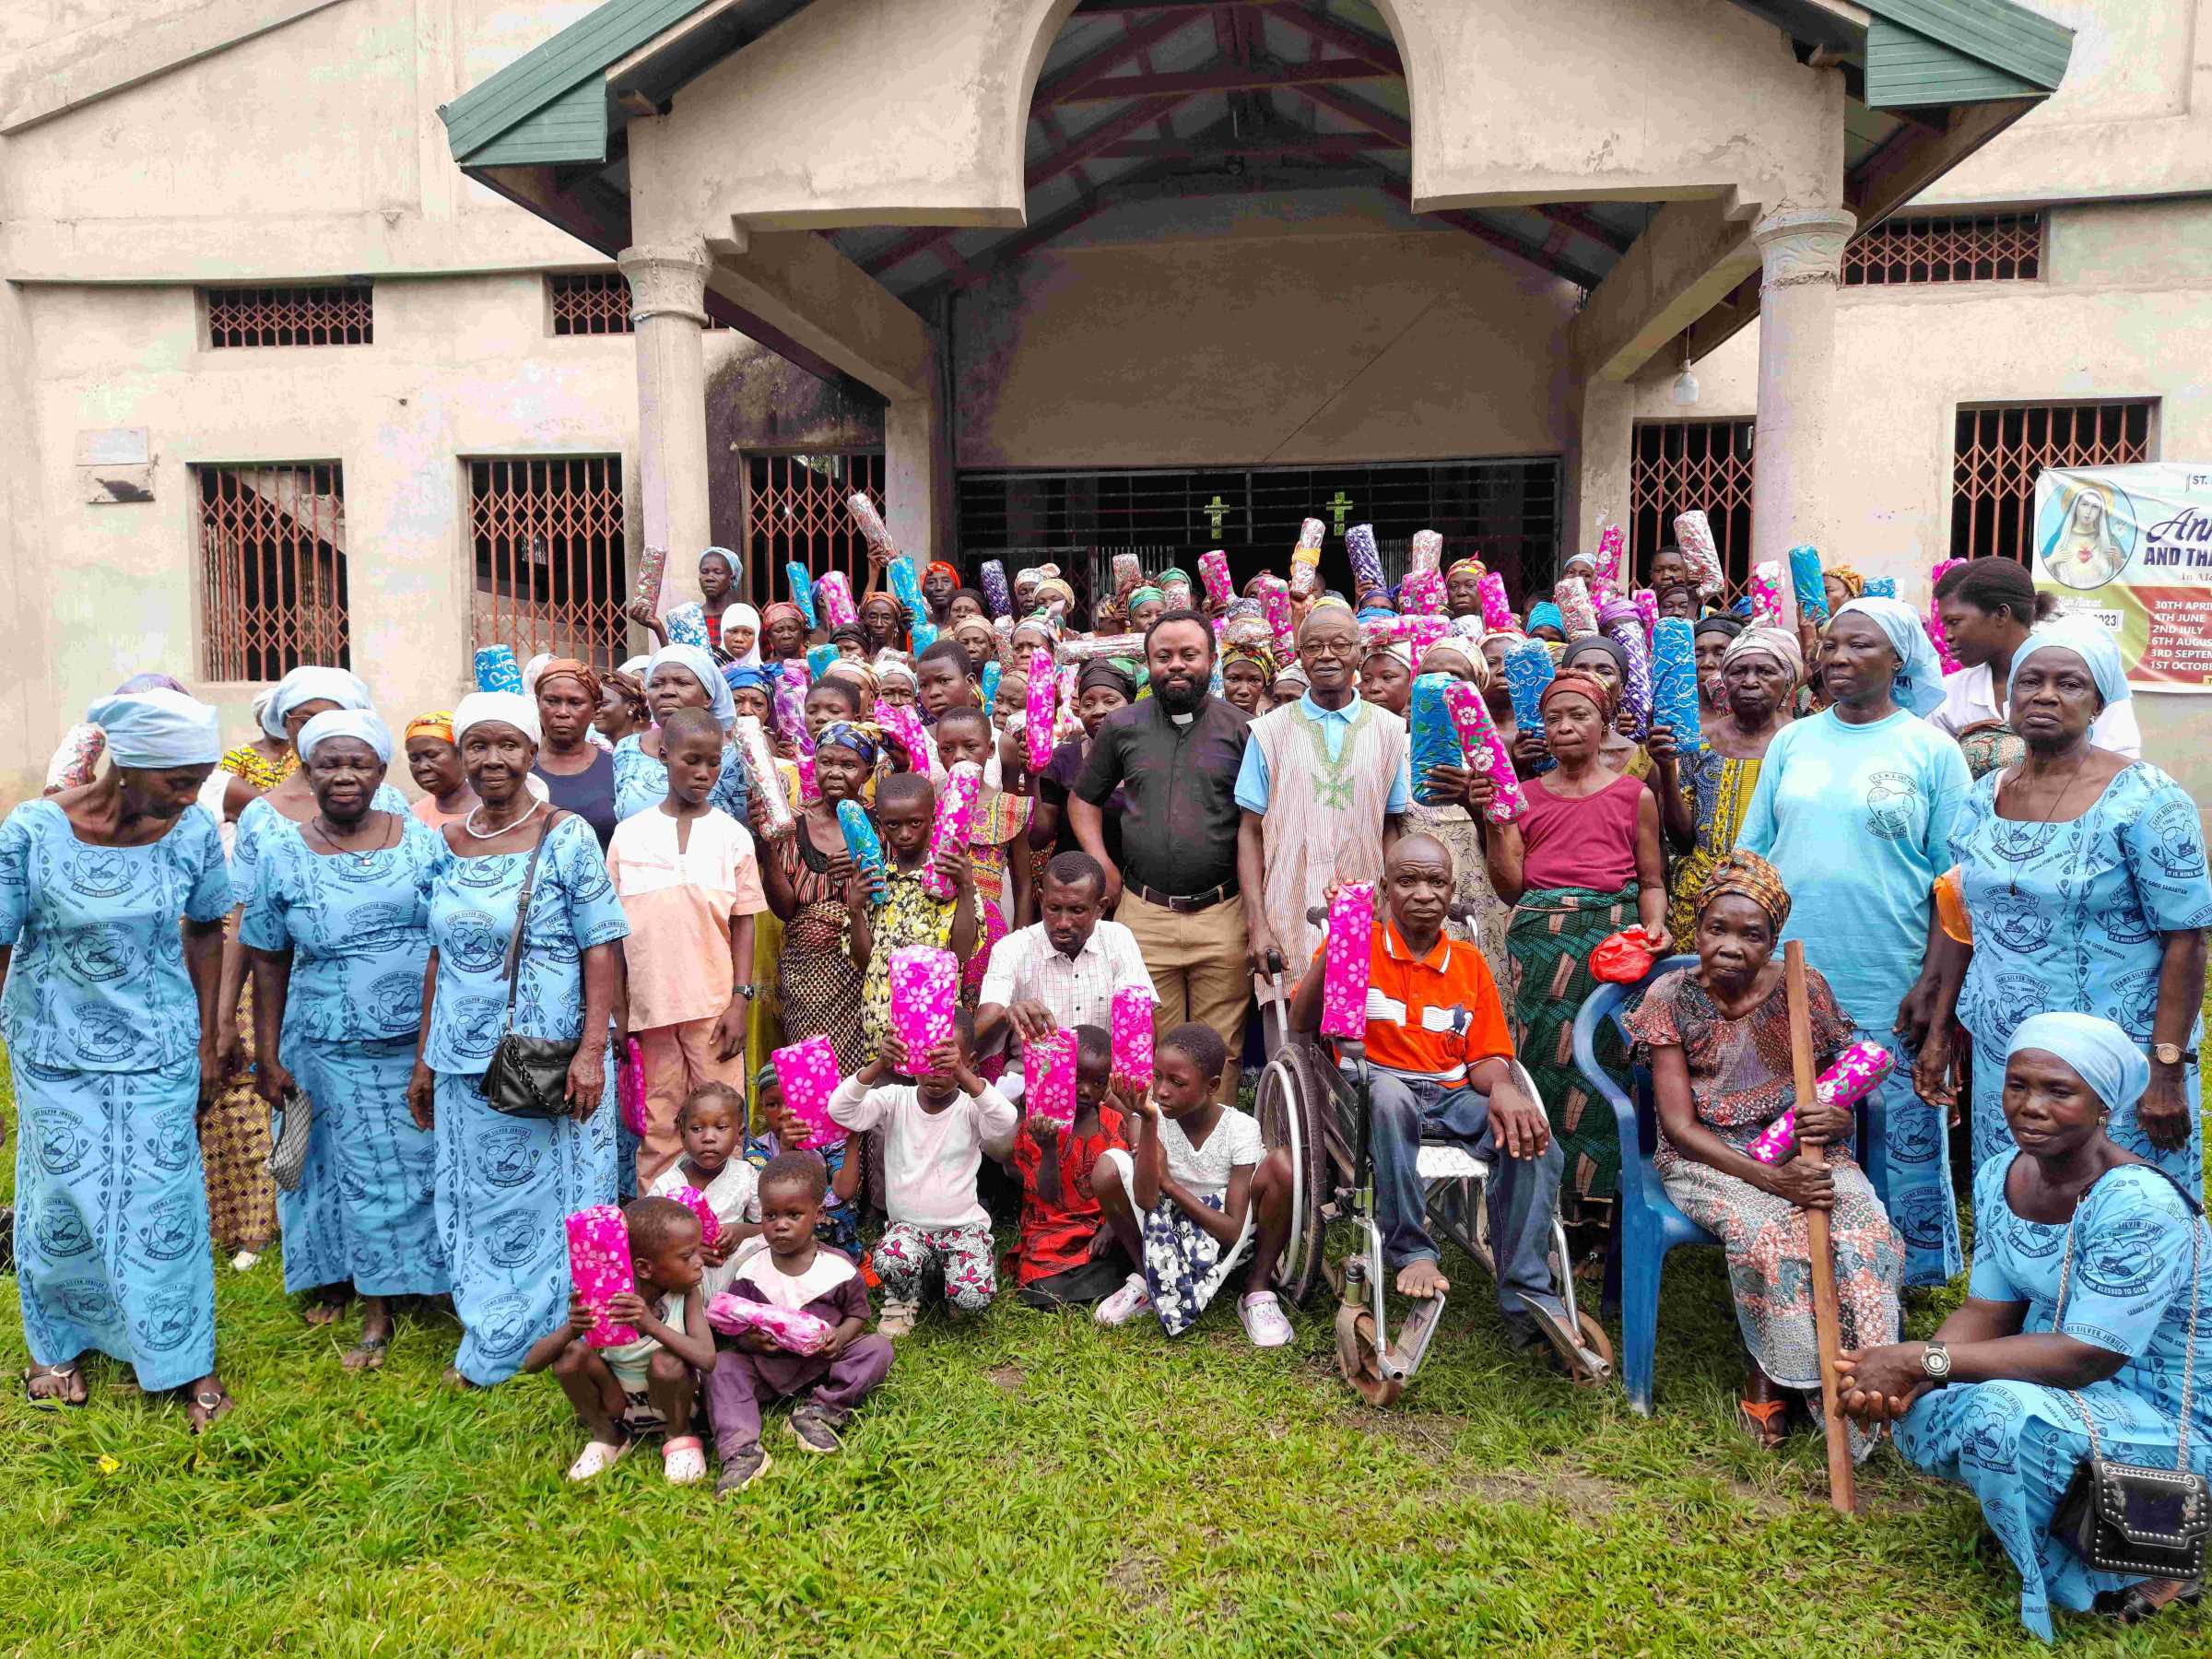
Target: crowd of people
{"points": [[252, 993]]}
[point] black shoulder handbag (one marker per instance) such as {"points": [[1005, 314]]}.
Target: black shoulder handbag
{"points": [[2126, 1517], [528, 1076]]}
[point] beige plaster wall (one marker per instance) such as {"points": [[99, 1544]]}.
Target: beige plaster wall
{"points": [[1314, 327]]}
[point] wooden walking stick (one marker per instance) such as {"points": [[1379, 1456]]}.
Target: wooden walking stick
{"points": [[1842, 1487]]}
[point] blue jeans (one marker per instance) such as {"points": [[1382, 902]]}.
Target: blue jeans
{"points": [[1523, 1192]]}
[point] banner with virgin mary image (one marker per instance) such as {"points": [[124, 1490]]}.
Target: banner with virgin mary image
{"points": [[2132, 546]]}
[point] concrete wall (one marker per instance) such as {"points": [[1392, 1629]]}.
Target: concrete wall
{"points": [[1233, 332]]}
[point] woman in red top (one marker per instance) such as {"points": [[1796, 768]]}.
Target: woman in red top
{"points": [[1582, 864], [1065, 1256]]}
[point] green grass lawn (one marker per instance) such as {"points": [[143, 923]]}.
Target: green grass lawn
{"points": [[1023, 1485]]}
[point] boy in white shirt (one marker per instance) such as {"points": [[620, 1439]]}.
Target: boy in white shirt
{"points": [[937, 1130]]}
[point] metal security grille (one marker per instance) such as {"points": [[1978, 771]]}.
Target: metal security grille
{"points": [[1680, 464], [550, 571], [595, 302], [341, 315], [2000, 452], [273, 568], [796, 509], [1982, 247], [1505, 513]]}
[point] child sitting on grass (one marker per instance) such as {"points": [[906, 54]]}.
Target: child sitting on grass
{"points": [[936, 1131], [839, 1227], [1195, 1185], [711, 1124], [796, 1271], [652, 1383], [1067, 1256]]}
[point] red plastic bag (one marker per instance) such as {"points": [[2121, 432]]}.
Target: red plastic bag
{"points": [[1624, 958]]}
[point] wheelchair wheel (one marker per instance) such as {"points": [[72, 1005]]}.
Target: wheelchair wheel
{"points": [[1598, 1341], [1356, 1357], [1290, 1106]]}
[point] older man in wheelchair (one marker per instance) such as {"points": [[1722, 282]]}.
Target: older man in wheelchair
{"points": [[1436, 1066]]}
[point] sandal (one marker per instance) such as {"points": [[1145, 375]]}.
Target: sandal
{"points": [[1763, 1420], [368, 1354], [684, 1460], [67, 1375], [598, 1456], [208, 1407], [2132, 1605]]}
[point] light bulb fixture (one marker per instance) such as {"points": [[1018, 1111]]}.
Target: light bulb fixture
{"points": [[1686, 383]]}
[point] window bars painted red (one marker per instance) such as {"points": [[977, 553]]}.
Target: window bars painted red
{"points": [[796, 509], [336, 314], [273, 568], [2000, 452], [595, 302], [551, 569], [1981, 247], [1678, 465]]}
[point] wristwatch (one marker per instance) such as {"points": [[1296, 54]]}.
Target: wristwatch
{"points": [[2171, 1054], [1936, 1360], [748, 992]]}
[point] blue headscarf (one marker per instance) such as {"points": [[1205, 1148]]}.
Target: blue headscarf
{"points": [[738, 677], [2105, 1056], [1545, 613], [158, 729], [694, 661], [345, 722], [2091, 642], [1919, 683], [308, 684]]}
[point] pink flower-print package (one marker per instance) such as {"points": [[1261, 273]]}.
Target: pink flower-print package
{"points": [[1345, 960], [1612, 544], [794, 1330], [1496, 612], [807, 1072], [761, 776], [1576, 610], [871, 524], [653, 569], [1422, 594], [1037, 714], [76, 759], [1486, 750], [1132, 1035], [1943, 646], [926, 991], [1048, 1077], [599, 1268], [833, 598], [1213, 570], [949, 832], [1428, 552], [1850, 1080], [1771, 605], [1274, 605], [629, 1087], [692, 1199], [1693, 534], [1647, 610]]}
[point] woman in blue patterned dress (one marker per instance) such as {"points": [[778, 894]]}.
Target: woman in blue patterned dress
{"points": [[108, 1016], [505, 1182], [337, 924], [677, 677], [2084, 878], [2088, 1299]]}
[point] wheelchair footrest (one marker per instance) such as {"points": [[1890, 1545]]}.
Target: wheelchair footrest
{"points": [[1415, 1332]]}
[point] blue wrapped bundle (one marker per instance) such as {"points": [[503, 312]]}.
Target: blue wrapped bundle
{"points": [[1674, 683], [1805, 577], [497, 670], [819, 658], [802, 591], [1881, 587], [1434, 736], [1367, 562], [862, 846], [991, 674], [906, 587], [996, 595], [1527, 671], [687, 625], [923, 636]]}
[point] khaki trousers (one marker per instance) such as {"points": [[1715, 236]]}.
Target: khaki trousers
{"points": [[678, 1058], [1198, 968]]}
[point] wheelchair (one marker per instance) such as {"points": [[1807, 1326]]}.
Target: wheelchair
{"points": [[1307, 1105]]}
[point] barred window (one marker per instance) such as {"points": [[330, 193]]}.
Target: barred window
{"points": [[1678, 465], [336, 315], [551, 568], [1981, 247], [595, 302], [273, 568], [2000, 452]]}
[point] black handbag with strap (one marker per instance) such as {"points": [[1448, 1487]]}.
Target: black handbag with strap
{"points": [[528, 1076], [2130, 1518]]}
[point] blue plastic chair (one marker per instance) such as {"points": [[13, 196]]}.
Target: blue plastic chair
{"points": [[1648, 1225]]}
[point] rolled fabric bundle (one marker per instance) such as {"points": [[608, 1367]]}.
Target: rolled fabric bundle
{"points": [[761, 777], [1177, 592], [1366, 558], [1079, 652], [1621, 625], [1274, 603], [833, 598], [794, 1330], [787, 696], [1428, 551], [1952, 664], [692, 1199], [1647, 610], [653, 569], [819, 658], [630, 1087], [996, 595], [497, 669], [1345, 961], [1612, 544], [1807, 579], [1485, 750], [906, 587], [1771, 606], [1132, 1036], [1043, 705], [79, 755], [1693, 534], [863, 845], [925, 992], [956, 817], [1128, 573], [810, 784], [687, 625], [1432, 736], [801, 590], [1850, 1080], [992, 672], [1067, 723], [1422, 633], [921, 637], [1048, 1078], [1305, 558], [1675, 682], [1527, 671], [901, 721], [1881, 587], [1422, 594], [1497, 611], [871, 524], [1573, 596], [599, 1268], [1466, 628], [807, 1074], [1213, 570]]}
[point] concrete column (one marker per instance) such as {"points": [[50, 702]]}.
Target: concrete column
{"points": [[667, 307], [914, 476], [1600, 485], [1801, 251]]}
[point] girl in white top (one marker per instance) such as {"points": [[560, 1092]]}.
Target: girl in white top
{"points": [[711, 1124]]}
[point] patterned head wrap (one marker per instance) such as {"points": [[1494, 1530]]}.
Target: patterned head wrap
{"points": [[570, 668], [783, 610], [1144, 596], [1775, 643], [1850, 580], [859, 674], [738, 677], [894, 669], [1054, 588], [1581, 684], [863, 737], [1477, 665], [438, 724], [1749, 876], [1474, 567], [1258, 652]]}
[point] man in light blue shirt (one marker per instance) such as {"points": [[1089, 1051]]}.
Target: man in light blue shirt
{"points": [[1322, 784]]}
